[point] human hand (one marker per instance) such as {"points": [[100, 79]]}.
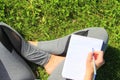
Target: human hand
{"points": [[99, 61]]}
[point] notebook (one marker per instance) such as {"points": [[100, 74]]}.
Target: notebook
{"points": [[75, 63]]}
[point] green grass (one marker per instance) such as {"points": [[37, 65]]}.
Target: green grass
{"points": [[50, 19]]}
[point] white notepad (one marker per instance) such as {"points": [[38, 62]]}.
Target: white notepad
{"points": [[78, 49]]}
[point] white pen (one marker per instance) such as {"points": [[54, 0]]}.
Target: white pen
{"points": [[94, 66]]}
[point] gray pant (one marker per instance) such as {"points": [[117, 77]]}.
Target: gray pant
{"points": [[13, 67], [39, 55], [59, 46]]}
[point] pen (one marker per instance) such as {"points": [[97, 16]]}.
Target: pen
{"points": [[94, 66]]}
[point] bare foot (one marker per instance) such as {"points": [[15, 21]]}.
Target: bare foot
{"points": [[35, 43], [53, 63]]}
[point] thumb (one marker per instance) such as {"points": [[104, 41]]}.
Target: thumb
{"points": [[90, 56]]}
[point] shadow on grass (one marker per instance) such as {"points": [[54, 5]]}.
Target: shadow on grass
{"points": [[111, 69], [38, 71]]}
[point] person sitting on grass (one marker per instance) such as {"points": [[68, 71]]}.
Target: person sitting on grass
{"points": [[49, 54]]}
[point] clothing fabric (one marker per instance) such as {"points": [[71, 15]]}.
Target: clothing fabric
{"points": [[59, 46], [95, 32], [13, 67], [40, 54], [22, 47]]}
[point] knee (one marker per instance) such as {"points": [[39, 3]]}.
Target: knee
{"points": [[99, 33], [98, 30]]}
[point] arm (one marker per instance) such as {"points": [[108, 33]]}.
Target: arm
{"points": [[99, 61]]}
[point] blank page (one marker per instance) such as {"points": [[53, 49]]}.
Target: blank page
{"points": [[78, 49]]}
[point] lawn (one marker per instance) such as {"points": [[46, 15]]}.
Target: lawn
{"points": [[50, 19]]}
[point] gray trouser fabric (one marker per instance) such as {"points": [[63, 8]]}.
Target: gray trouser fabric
{"points": [[13, 67], [98, 33], [41, 54], [28, 51], [58, 46]]}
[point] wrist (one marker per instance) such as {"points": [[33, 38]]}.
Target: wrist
{"points": [[90, 72], [89, 75]]}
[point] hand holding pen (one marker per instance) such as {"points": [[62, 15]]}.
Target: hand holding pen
{"points": [[91, 64]]}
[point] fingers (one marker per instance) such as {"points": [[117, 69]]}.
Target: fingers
{"points": [[89, 64], [99, 58], [99, 61], [89, 58]]}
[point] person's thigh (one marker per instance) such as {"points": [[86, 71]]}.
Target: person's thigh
{"points": [[13, 67]]}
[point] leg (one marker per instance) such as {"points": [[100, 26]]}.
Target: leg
{"points": [[22, 47], [12, 66], [59, 46], [98, 33]]}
